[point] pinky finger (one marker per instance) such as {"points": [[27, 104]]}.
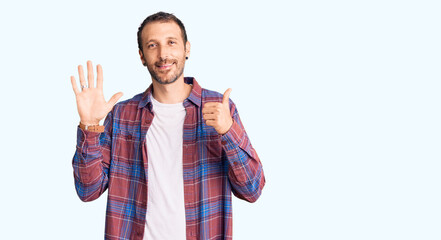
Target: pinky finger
{"points": [[74, 85], [210, 122]]}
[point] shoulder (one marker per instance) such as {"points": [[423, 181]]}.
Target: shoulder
{"points": [[129, 104], [211, 96]]}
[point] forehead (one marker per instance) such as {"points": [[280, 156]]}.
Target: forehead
{"points": [[161, 30]]}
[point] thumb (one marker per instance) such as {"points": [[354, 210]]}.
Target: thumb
{"points": [[114, 99], [226, 96]]}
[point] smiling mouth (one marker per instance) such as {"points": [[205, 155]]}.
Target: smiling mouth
{"points": [[164, 66]]}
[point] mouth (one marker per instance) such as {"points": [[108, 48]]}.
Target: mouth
{"points": [[165, 66]]}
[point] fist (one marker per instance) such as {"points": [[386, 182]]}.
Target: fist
{"points": [[218, 115]]}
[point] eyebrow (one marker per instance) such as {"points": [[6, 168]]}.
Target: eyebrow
{"points": [[168, 38]]}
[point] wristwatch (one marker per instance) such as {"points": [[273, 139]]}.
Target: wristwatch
{"points": [[92, 128]]}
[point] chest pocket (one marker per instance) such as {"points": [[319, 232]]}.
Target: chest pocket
{"points": [[127, 149], [211, 144]]}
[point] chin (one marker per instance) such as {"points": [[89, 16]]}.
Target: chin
{"points": [[165, 81]]}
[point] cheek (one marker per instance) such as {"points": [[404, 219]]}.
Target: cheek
{"points": [[182, 58], [149, 59], [149, 55], [178, 53]]}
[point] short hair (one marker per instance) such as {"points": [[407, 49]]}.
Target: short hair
{"points": [[161, 17]]}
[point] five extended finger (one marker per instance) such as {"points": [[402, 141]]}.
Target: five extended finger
{"points": [[81, 76], [99, 77], [74, 85], [114, 99], [90, 74]]}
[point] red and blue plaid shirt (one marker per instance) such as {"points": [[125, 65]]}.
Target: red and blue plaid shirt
{"points": [[214, 166]]}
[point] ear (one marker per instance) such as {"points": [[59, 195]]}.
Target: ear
{"points": [[141, 55], [187, 49]]}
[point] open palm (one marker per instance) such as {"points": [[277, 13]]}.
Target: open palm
{"points": [[92, 107]]}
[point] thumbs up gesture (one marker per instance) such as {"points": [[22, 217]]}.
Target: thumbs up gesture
{"points": [[218, 115]]}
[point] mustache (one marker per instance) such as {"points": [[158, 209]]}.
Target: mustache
{"points": [[166, 61]]}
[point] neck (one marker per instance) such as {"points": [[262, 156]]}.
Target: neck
{"points": [[172, 93]]}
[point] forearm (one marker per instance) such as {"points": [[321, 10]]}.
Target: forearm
{"points": [[90, 168], [245, 169]]}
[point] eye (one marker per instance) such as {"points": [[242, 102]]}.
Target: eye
{"points": [[151, 45], [172, 42]]}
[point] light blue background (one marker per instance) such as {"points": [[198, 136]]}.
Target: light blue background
{"points": [[340, 100]]}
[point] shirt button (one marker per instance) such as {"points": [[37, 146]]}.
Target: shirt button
{"points": [[224, 142], [235, 163]]}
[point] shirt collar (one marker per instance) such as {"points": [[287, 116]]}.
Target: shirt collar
{"points": [[195, 95]]}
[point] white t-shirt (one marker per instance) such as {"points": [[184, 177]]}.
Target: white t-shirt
{"points": [[165, 217]]}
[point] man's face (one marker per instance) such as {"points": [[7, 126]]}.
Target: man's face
{"points": [[164, 51]]}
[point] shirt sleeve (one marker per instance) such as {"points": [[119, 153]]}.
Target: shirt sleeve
{"points": [[245, 169], [91, 161]]}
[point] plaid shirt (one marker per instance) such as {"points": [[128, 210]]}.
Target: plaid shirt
{"points": [[214, 166]]}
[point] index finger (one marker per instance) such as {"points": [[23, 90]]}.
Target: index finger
{"points": [[210, 106]]}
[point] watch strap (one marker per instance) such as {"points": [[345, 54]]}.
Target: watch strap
{"points": [[92, 128]]}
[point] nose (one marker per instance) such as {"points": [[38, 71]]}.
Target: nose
{"points": [[163, 53]]}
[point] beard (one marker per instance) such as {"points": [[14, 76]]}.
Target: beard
{"points": [[170, 77]]}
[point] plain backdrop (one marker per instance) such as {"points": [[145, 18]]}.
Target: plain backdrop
{"points": [[339, 98]]}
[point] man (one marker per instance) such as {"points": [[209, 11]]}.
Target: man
{"points": [[170, 156]]}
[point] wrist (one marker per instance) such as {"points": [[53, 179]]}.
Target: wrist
{"points": [[89, 123], [92, 128], [227, 128]]}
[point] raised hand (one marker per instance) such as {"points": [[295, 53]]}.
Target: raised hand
{"points": [[218, 115], [92, 107]]}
